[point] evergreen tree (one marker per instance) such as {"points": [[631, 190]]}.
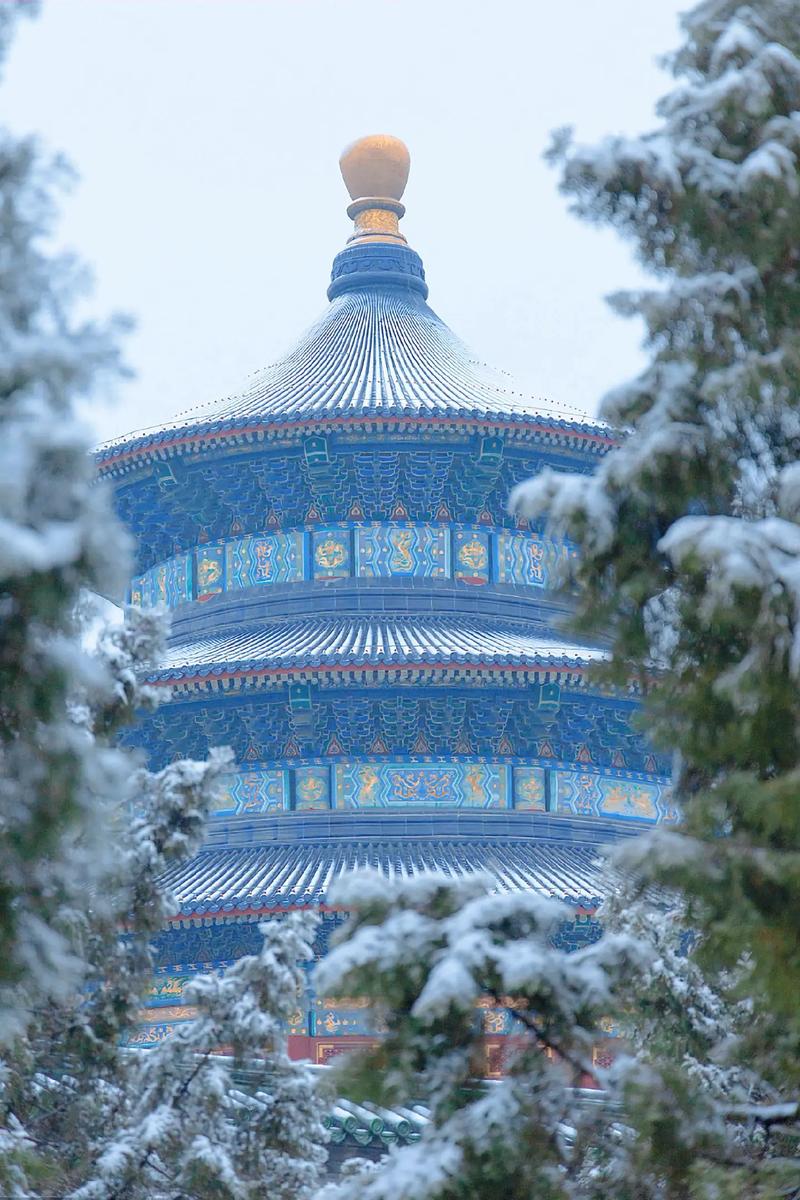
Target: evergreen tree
{"points": [[57, 536], [683, 1110], [85, 833], [86, 1117], [688, 544], [68, 1074], [425, 951], [185, 1129]]}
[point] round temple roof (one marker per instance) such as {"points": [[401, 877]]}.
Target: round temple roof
{"points": [[234, 881], [374, 641], [360, 618], [378, 351]]}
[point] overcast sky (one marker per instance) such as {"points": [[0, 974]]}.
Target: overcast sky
{"points": [[207, 133]]}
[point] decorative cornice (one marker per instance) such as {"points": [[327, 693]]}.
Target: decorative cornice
{"points": [[372, 649], [136, 451], [380, 265], [243, 882], [220, 681]]}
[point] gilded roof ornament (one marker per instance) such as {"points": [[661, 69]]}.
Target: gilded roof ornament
{"points": [[375, 171]]}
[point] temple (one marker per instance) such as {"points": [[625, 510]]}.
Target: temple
{"points": [[357, 615]]}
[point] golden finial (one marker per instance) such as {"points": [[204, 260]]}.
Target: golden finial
{"points": [[375, 172]]}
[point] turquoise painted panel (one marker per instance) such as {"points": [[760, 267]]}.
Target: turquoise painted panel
{"points": [[210, 570], [577, 792], [270, 558], [172, 581], [168, 584], [142, 1036], [471, 559], [333, 1016], [421, 785], [167, 989], [253, 792], [585, 793], [670, 814], [527, 559], [331, 555], [529, 789], [386, 550], [467, 554], [636, 800], [312, 788], [495, 1019]]}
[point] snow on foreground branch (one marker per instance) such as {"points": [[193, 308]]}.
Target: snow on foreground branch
{"points": [[687, 548], [184, 1129], [753, 566], [57, 536], [709, 200], [83, 1116], [66, 1076], [424, 950]]}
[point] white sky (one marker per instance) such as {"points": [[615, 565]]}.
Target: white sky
{"points": [[207, 135]]}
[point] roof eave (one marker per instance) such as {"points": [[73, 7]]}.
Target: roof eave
{"points": [[123, 457]]}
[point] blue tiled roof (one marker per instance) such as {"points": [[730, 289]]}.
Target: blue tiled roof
{"points": [[226, 881], [377, 351], [372, 640]]}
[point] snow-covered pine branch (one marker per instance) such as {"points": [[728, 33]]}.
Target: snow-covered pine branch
{"points": [[186, 1129], [687, 540], [57, 536], [68, 1076], [425, 950]]}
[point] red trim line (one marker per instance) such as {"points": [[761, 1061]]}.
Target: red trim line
{"points": [[351, 422]]}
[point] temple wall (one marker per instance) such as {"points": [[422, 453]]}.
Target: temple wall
{"points": [[442, 784], [470, 555]]}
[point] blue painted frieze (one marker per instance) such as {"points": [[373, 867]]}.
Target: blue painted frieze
{"points": [[331, 554], [273, 558], [388, 550], [471, 554], [253, 792], [430, 785]]}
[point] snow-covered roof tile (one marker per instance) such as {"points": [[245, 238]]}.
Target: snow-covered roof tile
{"points": [[371, 640], [231, 880]]}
